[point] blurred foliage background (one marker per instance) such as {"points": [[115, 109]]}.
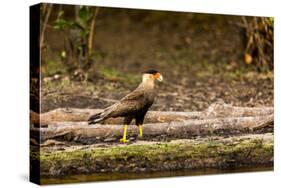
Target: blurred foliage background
{"points": [[78, 37], [106, 49]]}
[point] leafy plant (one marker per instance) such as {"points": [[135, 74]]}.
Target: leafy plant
{"points": [[78, 50], [259, 47]]}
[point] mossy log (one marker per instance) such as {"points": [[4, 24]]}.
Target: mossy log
{"points": [[81, 132], [216, 110], [214, 152]]}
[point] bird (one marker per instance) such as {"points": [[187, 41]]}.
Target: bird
{"points": [[133, 106]]}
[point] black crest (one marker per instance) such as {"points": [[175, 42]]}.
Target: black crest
{"points": [[151, 71]]}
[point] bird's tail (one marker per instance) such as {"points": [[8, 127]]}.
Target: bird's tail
{"points": [[96, 118], [105, 114]]}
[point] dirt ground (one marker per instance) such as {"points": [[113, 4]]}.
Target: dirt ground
{"points": [[200, 57]]}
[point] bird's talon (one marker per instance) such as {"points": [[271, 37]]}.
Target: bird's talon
{"points": [[124, 140], [140, 131]]}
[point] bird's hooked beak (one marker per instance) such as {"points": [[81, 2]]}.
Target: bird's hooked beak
{"points": [[158, 77]]}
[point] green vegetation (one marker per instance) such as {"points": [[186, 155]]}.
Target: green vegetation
{"points": [[190, 42], [182, 154], [78, 49], [259, 48], [53, 68]]}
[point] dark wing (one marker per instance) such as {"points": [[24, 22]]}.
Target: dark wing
{"points": [[130, 104]]}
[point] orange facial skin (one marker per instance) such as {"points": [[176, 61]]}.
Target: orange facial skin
{"points": [[157, 75]]}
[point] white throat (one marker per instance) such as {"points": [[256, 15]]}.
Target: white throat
{"points": [[148, 81]]}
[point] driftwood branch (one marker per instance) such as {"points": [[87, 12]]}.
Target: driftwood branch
{"points": [[81, 132], [216, 110]]}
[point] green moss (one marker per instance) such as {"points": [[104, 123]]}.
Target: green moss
{"points": [[171, 155], [188, 150]]}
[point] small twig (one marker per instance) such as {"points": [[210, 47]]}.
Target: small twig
{"points": [[42, 35], [92, 29], [245, 22], [59, 11]]}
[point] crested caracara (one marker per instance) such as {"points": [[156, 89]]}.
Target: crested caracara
{"points": [[132, 106]]}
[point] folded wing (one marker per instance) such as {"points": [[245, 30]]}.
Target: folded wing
{"points": [[129, 105]]}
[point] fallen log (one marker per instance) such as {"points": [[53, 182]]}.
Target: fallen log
{"points": [[81, 132], [75, 115], [221, 109], [219, 153], [216, 110]]}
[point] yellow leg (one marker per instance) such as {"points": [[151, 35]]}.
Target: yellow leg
{"points": [[124, 140], [140, 129]]}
